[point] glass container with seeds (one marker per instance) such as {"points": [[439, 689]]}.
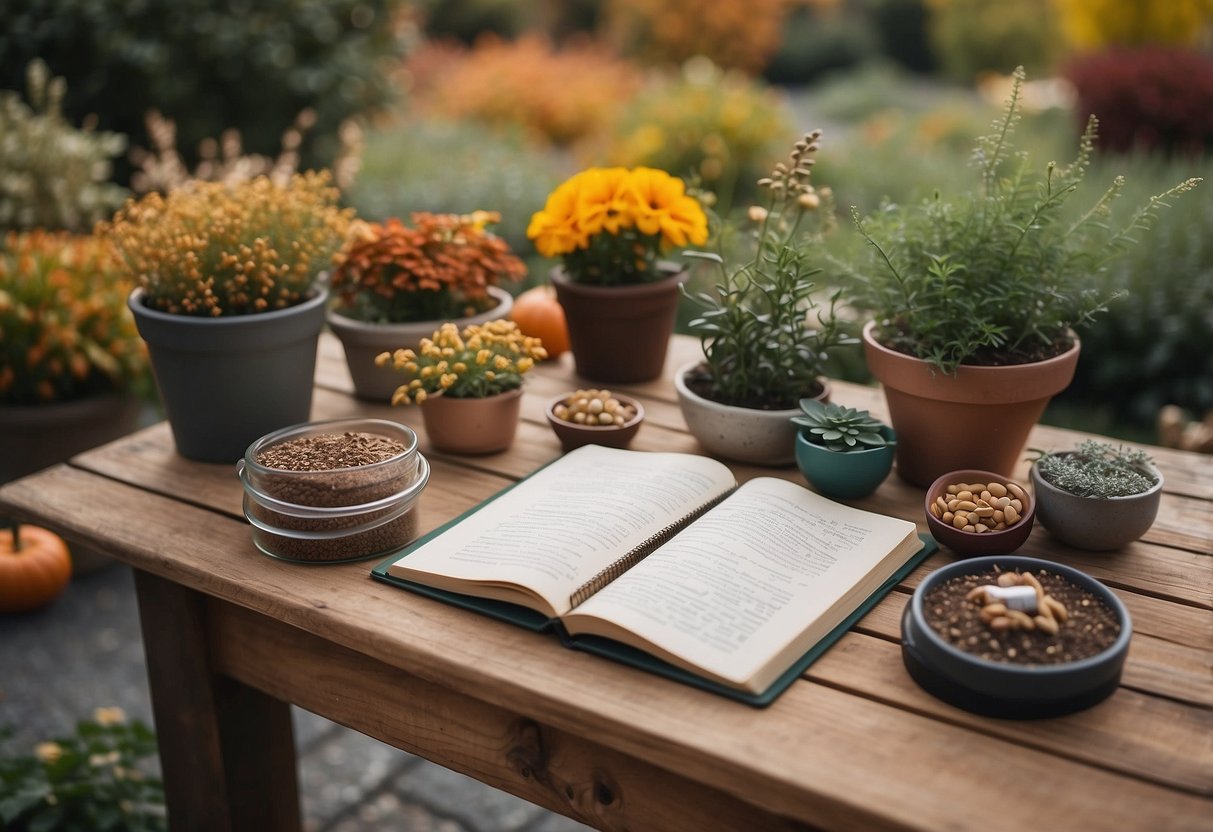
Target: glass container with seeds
{"points": [[333, 491]]}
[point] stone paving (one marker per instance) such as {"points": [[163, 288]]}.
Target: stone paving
{"points": [[84, 651]]}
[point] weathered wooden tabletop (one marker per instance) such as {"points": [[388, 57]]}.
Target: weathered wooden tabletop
{"points": [[231, 635]]}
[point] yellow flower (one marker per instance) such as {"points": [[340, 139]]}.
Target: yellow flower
{"points": [[109, 716], [604, 200], [554, 229], [663, 207]]}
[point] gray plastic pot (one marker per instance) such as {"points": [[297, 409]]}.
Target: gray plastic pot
{"points": [[1010, 691], [1096, 523], [226, 381]]}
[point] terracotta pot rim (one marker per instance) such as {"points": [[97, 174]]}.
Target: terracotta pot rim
{"points": [[964, 369], [655, 287], [517, 391]]}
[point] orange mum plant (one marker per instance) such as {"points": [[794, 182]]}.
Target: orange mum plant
{"points": [[609, 225], [440, 268], [65, 330]]}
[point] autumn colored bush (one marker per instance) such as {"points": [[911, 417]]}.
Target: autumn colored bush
{"points": [[737, 34], [559, 95], [1096, 24], [1153, 98]]}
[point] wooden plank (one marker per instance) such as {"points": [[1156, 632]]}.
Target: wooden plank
{"points": [[227, 751], [810, 735], [1130, 732]]}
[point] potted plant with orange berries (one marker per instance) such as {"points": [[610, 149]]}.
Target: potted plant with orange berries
{"points": [[72, 366], [610, 227], [229, 303], [468, 383], [396, 283], [764, 334]]}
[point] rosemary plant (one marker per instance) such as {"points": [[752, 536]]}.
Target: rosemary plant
{"points": [[1097, 469]]}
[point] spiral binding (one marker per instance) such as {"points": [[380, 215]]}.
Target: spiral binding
{"points": [[640, 552]]}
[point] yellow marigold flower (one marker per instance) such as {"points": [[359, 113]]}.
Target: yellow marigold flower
{"points": [[483, 356], [664, 207], [501, 362], [447, 380], [420, 396], [524, 364], [489, 375], [459, 367]]}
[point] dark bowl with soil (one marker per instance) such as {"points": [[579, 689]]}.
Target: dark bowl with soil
{"points": [[952, 651], [333, 491]]}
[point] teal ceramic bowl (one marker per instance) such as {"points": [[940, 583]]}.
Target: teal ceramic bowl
{"points": [[846, 475]]}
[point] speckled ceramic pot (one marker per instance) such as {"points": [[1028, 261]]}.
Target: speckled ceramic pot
{"points": [[1096, 523], [742, 434]]}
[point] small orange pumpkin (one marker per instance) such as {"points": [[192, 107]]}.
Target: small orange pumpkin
{"points": [[34, 568], [540, 315]]}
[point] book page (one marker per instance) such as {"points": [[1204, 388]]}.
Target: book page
{"points": [[746, 590], [555, 530]]}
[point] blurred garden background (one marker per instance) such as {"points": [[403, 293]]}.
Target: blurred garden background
{"points": [[458, 105]]}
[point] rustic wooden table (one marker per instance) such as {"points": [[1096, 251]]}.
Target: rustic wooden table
{"points": [[232, 636]]}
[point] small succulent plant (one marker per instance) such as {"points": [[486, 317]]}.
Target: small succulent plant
{"points": [[839, 428]]}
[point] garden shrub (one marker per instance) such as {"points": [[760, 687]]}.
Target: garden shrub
{"points": [[972, 37], [1095, 24], [1152, 98], [52, 175], [557, 95], [735, 34], [903, 32], [210, 65], [448, 167], [722, 130], [817, 42]]}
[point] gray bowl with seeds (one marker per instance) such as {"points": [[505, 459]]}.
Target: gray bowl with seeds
{"points": [[960, 647]]}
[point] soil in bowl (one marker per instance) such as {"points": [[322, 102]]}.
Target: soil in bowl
{"points": [[1089, 626]]}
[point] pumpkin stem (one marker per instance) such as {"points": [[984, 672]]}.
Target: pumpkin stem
{"points": [[15, 528]]}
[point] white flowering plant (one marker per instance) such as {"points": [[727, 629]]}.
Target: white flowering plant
{"points": [[96, 779]]}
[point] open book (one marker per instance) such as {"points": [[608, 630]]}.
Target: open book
{"points": [[664, 554]]}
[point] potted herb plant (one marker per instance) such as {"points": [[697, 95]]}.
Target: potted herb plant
{"points": [[843, 452], [764, 335], [975, 299], [1096, 496], [228, 302], [71, 361], [397, 283], [609, 227], [468, 383]]}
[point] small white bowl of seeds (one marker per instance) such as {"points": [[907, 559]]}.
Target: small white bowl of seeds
{"points": [[333, 491]]}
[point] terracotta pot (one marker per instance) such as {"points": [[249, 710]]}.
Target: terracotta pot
{"points": [[363, 341], [226, 381], [472, 426], [1096, 523], [619, 334], [979, 418], [743, 434]]}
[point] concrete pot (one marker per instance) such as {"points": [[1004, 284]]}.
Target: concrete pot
{"points": [[226, 381], [979, 418], [1095, 523], [742, 434], [363, 341]]}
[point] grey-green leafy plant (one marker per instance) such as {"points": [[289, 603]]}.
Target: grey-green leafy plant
{"points": [[52, 175], [839, 428], [765, 337], [999, 275], [96, 779], [1097, 469]]}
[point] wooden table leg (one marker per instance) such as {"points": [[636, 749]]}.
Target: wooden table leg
{"points": [[227, 750]]}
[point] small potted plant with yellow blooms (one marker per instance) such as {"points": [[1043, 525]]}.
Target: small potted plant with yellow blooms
{"points": [[228, 302], [397, 282], [610, 227], [468, 383]]}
